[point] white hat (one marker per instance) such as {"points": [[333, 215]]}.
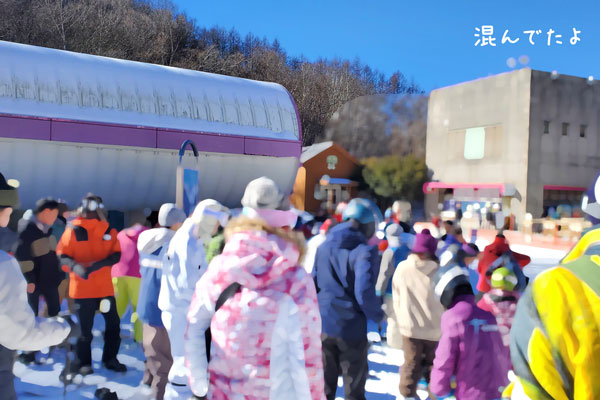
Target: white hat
{"points": [[263, 193], [169, 215]]}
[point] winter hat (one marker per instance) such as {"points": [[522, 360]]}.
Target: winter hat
{"points": [[264, 193], [504, 279], [449, 281], [169, 215], [358, 210], [208, 214], [392, 234], [9, 195], [424, 243]]}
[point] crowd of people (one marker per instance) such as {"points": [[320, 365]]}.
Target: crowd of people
{"points": [[239, 305]]}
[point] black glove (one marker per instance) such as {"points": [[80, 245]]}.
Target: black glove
{"points": [[194, 397]]}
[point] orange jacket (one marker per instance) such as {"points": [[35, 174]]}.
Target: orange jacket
{"points": [[87, 241]]}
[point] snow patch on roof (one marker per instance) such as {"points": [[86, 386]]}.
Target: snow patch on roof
{"points": [[51, 83]]}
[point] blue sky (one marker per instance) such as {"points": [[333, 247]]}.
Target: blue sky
{"points": [[430, 41]]}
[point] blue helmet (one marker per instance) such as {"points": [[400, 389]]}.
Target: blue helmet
{"points": [[359, 210], [591, 200]]}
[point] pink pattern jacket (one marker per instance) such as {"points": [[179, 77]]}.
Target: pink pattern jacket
{"points": [[266, 339]]}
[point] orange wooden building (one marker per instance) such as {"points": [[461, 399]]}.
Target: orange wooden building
{"points": [[325, 178]]}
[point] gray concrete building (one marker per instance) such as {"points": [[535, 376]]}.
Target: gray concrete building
{"points": [[525, 139]]}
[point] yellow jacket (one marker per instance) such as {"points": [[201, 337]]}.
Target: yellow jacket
{"points": [[555, 339]]}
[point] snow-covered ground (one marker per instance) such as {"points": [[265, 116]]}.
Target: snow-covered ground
{"points": [[41, 381]]}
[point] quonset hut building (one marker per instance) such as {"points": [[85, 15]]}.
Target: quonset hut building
{"points": [[72, 123]]}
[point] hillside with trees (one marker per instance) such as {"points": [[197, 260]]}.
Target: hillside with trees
{"points": [[156, 32]]}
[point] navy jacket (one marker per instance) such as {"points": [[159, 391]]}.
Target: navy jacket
{"points": [[345, 273]]}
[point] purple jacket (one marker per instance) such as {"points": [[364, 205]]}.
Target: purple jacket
{"points": [[471, 349]]}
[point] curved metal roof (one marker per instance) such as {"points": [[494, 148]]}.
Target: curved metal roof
{"points": [[51, 83]]}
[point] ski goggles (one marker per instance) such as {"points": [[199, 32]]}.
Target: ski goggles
{"points": [[92, 204]]}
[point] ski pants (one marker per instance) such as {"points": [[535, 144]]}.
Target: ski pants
{"points": [[175, 322], [127, 291], [348, 358], [86, 310], [158, 359]]}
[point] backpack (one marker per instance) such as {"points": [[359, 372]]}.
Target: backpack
{"points": [[225, 295]]}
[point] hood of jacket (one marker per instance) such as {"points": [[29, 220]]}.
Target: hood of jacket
{"points": [[428, 267], [344, 236], [153, 239], [257, 259], [91, 225]]}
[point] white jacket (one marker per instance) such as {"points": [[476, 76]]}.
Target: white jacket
{"points": [[20, 329], [183, 266]]}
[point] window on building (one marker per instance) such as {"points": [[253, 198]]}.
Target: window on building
{"points": [[474, 143], [565, 128], [546, 126], [582, 129]]}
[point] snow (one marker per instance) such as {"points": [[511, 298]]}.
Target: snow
{"points": [[53, 83], [41, 381]]}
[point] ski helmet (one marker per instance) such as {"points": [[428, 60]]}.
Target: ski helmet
{"points": [[448, 280], [358, 210], [503, 278]]}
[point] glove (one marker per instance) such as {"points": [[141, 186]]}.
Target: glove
{"points": [[194, 397], [80, 271]]}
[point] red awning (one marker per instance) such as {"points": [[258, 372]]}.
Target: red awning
{"points": [[504, 189]]}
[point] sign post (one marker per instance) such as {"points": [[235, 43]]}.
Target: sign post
{"points": [[187, 181]]}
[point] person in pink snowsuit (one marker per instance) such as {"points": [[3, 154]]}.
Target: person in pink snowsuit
{"points": [[266, 338]]}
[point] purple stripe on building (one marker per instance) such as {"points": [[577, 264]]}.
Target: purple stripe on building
{"points": [[172, 139], [24, 127], [271, 147], [119, 135], [61, 130]]}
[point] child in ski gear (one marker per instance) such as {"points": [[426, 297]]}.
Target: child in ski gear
{"points": [[345, 272], [491, 259], [501, 301], [152, 246], [184, 265], [417, 312], [470, 347], [88, 249], [20, 327], [266, 336], [126, 276]]}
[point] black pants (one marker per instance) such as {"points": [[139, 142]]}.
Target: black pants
{"points": [[51, 297], [7, 384], [86, 310], [348, 358]]}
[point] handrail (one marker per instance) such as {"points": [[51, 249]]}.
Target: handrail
{"points": [[184, 145]]}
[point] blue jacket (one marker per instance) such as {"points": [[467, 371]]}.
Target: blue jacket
{"points": [[152, 246], [345, 272]]}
